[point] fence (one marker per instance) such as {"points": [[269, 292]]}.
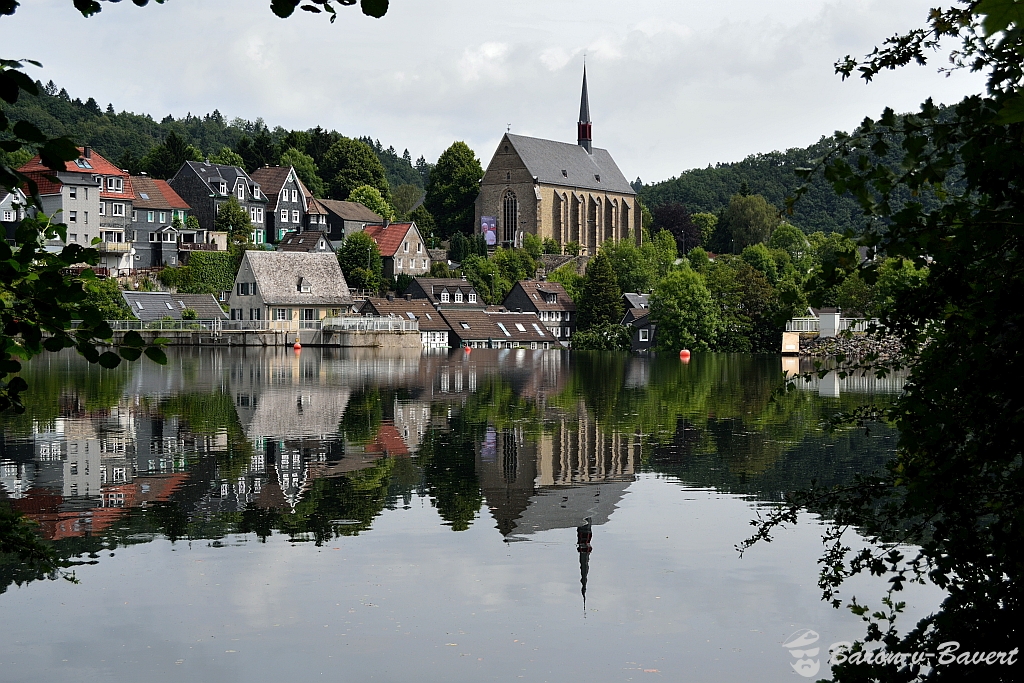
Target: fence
{"points": [[814, 325], [168, 325], [367, 323]]}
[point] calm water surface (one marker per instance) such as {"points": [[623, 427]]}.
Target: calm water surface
{"points": [[355, 516]]}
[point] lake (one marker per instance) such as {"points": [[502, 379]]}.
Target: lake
{"points": [[349, 515]]}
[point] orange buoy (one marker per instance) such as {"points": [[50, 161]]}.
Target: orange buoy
{"points": [[684, 355], [297, 345], [467, 349]]}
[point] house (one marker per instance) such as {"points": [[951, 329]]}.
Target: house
{"points": [[638, 319], [205, 186], [549, 301], [446, 293], [497, 330], [288, 288], [316, 213], [345, 218], [305, 241], [93, 198], [433, 327], [12, 212], [158, 224], [287, 200], [151, 306], [570, 193], [402, 248]]}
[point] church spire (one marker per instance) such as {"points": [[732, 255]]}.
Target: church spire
{"points": [[584, 138]]}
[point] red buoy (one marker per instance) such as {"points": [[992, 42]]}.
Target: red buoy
{"points": [[684, 355], [297, 345], [467, 349]]}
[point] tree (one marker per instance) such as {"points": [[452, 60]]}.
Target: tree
{"points": [[684, 312], [946, 507], [570, 280], [601, 298], [760, 259], [792, 240], [129, 161], [228, 157], [533, 245], [233, 219], [405, 197], [361, 262], [634, 271], [425, 222], [305, 168], [371, 198], [550, 246], [164, 160], [453, 188], [258, 151], [514, 264], [706, 224], [749, 219], [349, 164], [677, 221], [487, 278], [606, 337]]}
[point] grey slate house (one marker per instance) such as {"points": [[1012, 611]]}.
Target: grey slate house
{"points": [[433, 328], [286, 200], [549, 301], [638, 319], [497, 330], [152, 306], [205, 186], [446, 293], [288, 288], [304, 241], [154, 238], [345, 218], [12, 211]]}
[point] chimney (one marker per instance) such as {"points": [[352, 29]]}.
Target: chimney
{"points": [[391, 297], [408, 297], [387, 222], [87, 152]]}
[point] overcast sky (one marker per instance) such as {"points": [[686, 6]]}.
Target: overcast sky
{"points": [[674, 84]]}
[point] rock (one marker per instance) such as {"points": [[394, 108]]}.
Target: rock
{"points": [[859, 345]]}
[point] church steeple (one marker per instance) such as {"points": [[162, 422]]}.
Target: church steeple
{"points": [[584, 138]]}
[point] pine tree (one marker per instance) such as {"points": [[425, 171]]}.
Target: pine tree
{"points": [[601, 301]]}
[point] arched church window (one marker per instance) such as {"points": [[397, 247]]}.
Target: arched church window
{"points": [[511, 216]]}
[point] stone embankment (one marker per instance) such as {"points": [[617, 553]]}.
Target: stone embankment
{"points": [[856, 346]]}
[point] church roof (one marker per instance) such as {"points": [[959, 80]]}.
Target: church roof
{"points": [[547, 159]]}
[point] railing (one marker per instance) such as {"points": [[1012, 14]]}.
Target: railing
{"points": [[367, 323], [165, 325], [196, 246], [114, 247], [814, 324]]}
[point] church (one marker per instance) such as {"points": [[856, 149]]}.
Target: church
{"points": [[569, 193]]}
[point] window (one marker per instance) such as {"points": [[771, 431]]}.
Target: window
{"points": [[8, 215], [85, 216], [86, 191], [139, 304], [533, 345], [135, 215], [169, 237], [519, 326], [259, 215], [565, 173], [280, 314], [256, 191], [295, 216], [243, 289], [73, 237], [83, 163], [423, 264], [504, 330], [295, 195], [557, 331], [458, 297], [405, 247], [465, 326], [304, 286], [567, 316], [117, 209], [103, 208], [567, 333], [72, 217], [224, 190], [168, 305], [444, 297], [284, 215], [73, 192], [398, 264], [115, 185], [539, 330], [163, 217], [154, 237], [241, 191], [644, 332], [255, 314], [419, 247], [511, 216], [149, 216], [472, 295]]}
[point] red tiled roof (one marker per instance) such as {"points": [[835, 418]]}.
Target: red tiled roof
{"points": [[99, 166], [389, 238], [160, 194]]}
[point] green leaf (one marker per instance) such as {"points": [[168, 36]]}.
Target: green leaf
{"points": [[57, 151], [374, 8], [999, 14], [283, 8], [53, 344], [109, 360], [1012, 111], [129, 353], [156, 355], [26, 131], [133, 339]]}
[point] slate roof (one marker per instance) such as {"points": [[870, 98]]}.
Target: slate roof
{"points": [[539, 292], [314, 206], [212, 174], [636, 315], [485, 325], [430, 320], [151, 193], [150, 306], [277, 275], [634, 300], [350, 211], [431, 288], [389, 238], [304, 241], [271, 179], [546, 159]]}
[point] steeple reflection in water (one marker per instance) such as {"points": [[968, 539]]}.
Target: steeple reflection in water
{"points": [[583, 537]]}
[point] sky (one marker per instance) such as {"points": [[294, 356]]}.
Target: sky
{"points": [[674, 84]]}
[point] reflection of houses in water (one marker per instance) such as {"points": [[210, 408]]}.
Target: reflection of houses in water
{"points": [[567, 474], [831, 385]]}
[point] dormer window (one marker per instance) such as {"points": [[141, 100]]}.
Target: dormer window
{"points": [[255, 191], [223, 188], [304, 286], [445, 298], [458, 297], [472, 297], [241, 191], [115, 185], [597, 177], [565, 173]]}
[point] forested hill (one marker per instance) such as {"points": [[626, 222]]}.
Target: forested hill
{"points": [[771, 175], [129, 136]]}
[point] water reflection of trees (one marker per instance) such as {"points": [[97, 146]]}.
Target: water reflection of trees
{"points": [[318, 446]]}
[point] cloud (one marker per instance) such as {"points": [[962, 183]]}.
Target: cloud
{"points": [[674, 84]]}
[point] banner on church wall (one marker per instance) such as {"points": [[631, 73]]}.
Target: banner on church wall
{"points": [[489, 227]]}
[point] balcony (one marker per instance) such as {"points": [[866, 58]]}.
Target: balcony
{"points": [[196, 246], [113, 247]]}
